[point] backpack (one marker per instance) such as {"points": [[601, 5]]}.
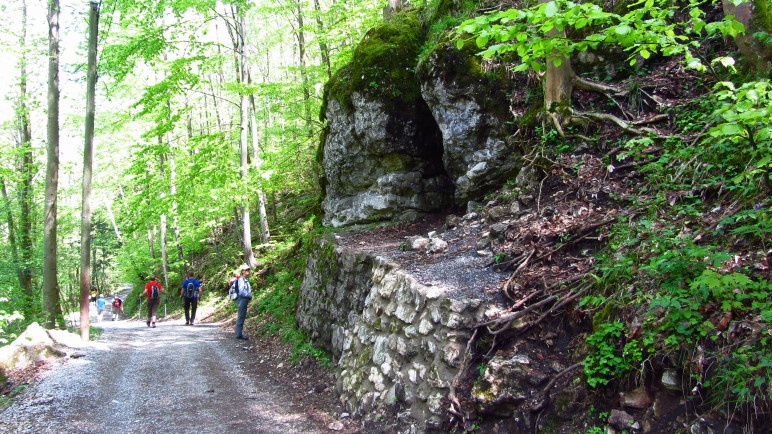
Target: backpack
{"points": [[154, 291], [233, 290], [117, 303], [190, 290]]}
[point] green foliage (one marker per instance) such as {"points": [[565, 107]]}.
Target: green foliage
{"points": [[535, 34]]}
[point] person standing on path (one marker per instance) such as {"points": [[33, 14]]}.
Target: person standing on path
{"points": [[244, 295], [153, 291], [100, 305], [117, 307], [190, 292]]}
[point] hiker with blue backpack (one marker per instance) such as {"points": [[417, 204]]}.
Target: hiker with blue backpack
{"points": [[190, 292], [241, 293], [153, 291]]}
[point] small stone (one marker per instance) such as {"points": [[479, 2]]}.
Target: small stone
{"points": [[622, 420], [637, 398], [345, 415], [336, 426], [437, 245], [670, 380], [484, 253]]}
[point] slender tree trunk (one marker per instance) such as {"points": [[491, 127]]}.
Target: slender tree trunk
{"points": [[27, 172], [150, 244], [12, 235], [51, 306], [175, 217], [88, 159], [111, 216], [238, 37], [164, 254], [558, 86], [301, 39], [323, 49], [265, 234]]}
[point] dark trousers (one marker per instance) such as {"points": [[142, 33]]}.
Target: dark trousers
{"points": [[242, 303], [152, 308], [190, 305]]}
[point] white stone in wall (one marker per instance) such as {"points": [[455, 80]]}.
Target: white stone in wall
{"points": [[410, 331], [386, 368], [405, 313], [376, 379], [453, 353], [435, 312], [380, 350], [435, 403], [412, 375], [454, 321], [425, 327]]}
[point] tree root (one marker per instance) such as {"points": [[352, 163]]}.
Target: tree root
{"points": [[540, 404], [455, 407]]}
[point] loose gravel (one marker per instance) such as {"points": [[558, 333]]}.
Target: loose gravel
{"points": [[169, 379]]}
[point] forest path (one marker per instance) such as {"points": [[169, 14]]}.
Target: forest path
{"points": [[173, 378]]}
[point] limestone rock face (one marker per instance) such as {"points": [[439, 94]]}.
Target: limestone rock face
{"points": [[381, 164], [471, 110], [382, 151]]}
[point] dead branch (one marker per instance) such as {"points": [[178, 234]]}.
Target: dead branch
{"points": [[504, 323], [545, 397], [519, 268], [605, 117], [651, 120], [584, 233]]}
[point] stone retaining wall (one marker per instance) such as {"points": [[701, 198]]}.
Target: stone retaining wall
{"points": [[397, 344]]}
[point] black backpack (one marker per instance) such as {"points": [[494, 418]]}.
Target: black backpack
{"points": [[154, 291], [190, 290]]}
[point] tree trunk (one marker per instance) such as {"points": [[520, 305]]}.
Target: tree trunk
{"points": [[12, 236], [162, 223], [323, 49], [175, 217], [240, 58], [150, 247], [88, 158], [27, 172], [111, 216], [558, 86], [51, 307], [301, 39], [757, 54], [265, 234]]}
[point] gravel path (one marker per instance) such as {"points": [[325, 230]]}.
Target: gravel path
{"points": [[173, 378]]}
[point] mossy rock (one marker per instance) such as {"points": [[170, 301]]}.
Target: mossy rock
{"points": [[383, 65]]}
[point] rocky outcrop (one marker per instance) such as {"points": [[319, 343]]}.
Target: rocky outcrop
{"points": [[404, 139], [471, 109]]}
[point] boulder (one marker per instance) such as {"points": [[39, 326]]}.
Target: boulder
{"points": [[471, 109]]}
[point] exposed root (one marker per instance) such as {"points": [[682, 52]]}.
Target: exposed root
{"points": [[542, 402], [455, 408]]}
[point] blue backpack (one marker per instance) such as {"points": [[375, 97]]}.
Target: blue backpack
{"points": [[190, 290]]}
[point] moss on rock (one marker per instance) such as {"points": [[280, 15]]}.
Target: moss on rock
{"points": [[383, 65]]}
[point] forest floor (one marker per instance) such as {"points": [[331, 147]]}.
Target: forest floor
{"points": [[174, 378]]}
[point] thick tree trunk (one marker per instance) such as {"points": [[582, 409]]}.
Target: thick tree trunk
{"points": [[51, 308], [756, 16], [27, 173], [88, 158]]}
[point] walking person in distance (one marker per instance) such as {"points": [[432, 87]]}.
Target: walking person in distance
{"points": [[153, 291], [190, 292], [244, 296]]}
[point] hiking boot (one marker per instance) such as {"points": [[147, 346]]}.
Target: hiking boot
{"points": [[242, 338], [153, 324], [186, 323], [148, 323]]}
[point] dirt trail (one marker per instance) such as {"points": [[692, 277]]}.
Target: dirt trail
{"points": [[173, 378]]}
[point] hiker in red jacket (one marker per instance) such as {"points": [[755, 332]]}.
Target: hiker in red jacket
{"points": [[153, 291]]}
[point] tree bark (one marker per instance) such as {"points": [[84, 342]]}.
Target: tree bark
{"points": [[51, 308], [265, 233], [12, 235], [150, 247], [162, 223], [27, 171], [323, 49], [88, 159]]}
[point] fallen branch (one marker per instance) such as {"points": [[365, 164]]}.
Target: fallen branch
{"points": [[455, 407], [545, 397], [504, 323], [584, 233]]}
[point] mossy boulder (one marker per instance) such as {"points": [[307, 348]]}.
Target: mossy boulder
{"points": [[382, 151]]}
